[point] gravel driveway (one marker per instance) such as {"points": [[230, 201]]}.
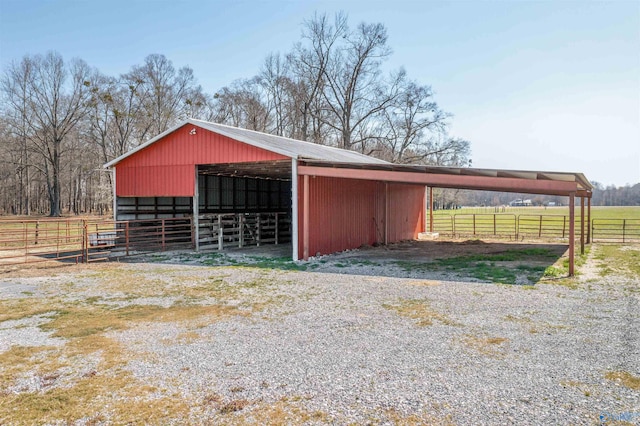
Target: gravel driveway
{"points": [[357, 343]]}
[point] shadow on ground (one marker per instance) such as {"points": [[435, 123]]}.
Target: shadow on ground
{"points": [[471, 260]]}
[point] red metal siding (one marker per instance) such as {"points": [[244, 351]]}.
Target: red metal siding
{"points": [[347, 213], [166, 167], [155, 181], [406, 211]]}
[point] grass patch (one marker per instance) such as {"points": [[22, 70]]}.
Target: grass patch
{"points": [[282, 263], [618, 260], [624, 378], [490, 346], [420, 311], [492, 267], [281, 412]]}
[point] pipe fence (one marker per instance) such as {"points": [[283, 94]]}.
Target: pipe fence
{"points": [[534, 226]]}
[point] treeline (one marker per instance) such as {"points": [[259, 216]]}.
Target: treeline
{"points": [[628, 195], [61, 120]]}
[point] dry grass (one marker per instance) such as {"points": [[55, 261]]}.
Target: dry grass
{"points": [[282, 412], [424, 283], [420, 311], [490, 346], [535, 327], [624, 378], [398, 419], [87, 377]]}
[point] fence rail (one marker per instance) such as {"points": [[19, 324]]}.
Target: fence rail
{"points": [[90, 240], [539, 226], [87, 240], [616, 230], [244, 229]]}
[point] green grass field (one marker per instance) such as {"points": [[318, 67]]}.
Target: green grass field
{"points": [[616, 212], [536, 222]]}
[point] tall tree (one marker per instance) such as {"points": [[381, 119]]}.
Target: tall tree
{"points": [[165, 93], [408, 126], [355, 93], [56, 99], [310, 63]]}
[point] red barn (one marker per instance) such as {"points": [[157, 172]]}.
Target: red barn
{"points": [[264, 188], [200, 168]]}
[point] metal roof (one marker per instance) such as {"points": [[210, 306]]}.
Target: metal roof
{"points": [[525, 181], [292, 148], [315, 155]]}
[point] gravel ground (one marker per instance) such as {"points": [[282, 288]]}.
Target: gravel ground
{"points": [[337, 345]]}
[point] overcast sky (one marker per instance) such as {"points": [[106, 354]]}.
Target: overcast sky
{"points": [[545, 85]]}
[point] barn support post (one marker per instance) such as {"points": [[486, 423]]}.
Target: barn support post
{"points": [[305, 219], [386, 213], [196, 213], [431, 209], [220, 233], [423, 224], [115, 196], [294, 209], [572, 233], [589, 220], [581, 225]]}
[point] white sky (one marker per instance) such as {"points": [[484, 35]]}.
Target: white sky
{"points": [[546, 85]]}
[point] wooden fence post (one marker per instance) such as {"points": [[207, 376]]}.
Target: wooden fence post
{"points": [[259, 226], [494, 224], [540, 227], [162, 231], [126, 237], [474, 224], [85, 241]]}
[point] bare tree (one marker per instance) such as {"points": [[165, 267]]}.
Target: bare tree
{"points": [[310, 63], [165, 94], [355, 93], [408, 126], [56, 99], [242, 105], [16, 116], [279, 93]]}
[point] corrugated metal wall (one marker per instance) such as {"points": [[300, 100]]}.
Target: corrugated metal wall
{"points": [[166, 167], [348, 213], [406, 211]]}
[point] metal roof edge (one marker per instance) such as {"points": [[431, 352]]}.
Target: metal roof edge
{"points": [[144, 145], [220, 129], [277, 150], [578, 178]]}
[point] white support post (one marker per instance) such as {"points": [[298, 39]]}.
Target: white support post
{"points": [[115, 196], [294, 209]]}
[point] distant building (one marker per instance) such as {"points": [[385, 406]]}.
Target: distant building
{"points": [[521, 203]]}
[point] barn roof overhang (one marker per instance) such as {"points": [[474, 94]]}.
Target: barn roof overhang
{"points": [[519, 181], [277, 169]]}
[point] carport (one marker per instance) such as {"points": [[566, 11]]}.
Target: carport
{"points": [[571, 185]]}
